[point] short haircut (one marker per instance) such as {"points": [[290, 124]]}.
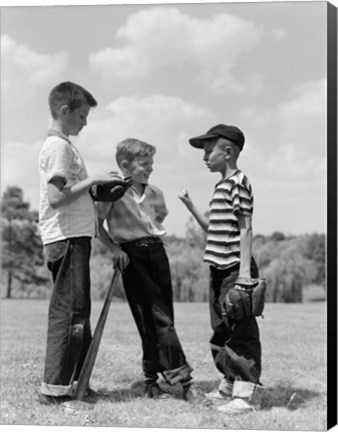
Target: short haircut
{"points": [[70, 94], [130, 148], [223, 143]]}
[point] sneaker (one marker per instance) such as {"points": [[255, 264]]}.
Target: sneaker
{"points": [[223, 392], [237, 406], [52, 400], [153, 391], [194, 395], [217, 395]]}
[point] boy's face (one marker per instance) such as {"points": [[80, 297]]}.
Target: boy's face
{"points": [[139, 169], [214, 155], [74, 121]]}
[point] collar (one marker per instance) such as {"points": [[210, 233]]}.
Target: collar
{"points": [[53, 132]]}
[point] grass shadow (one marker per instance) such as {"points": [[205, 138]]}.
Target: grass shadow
{"points": [[286, 397], [136, 390], [119, 394], [283, 396], [207, 386]]}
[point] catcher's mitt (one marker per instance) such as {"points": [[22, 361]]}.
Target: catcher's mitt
{"points": [[245, 299], [110, 192]]}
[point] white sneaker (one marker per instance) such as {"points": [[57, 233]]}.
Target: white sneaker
{"points": [[218, 395], [215, 394], [223, 392], [237, 406]]}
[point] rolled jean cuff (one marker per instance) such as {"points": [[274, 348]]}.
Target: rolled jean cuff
{"points": [[56, 390], [175, 376]]}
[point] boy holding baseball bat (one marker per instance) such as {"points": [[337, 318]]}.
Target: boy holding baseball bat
{"points": [[67, 224], [235, 343], [134, 237]]}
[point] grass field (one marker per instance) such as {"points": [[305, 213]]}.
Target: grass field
{"points": [[294, 371]]}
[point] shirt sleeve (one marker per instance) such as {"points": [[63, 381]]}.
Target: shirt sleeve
{"points": [[161, 211], [242, 198], [59, 161], [102, 209]]}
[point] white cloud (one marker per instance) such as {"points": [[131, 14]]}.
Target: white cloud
{"points": [[285, 158], [188, 48], [292, 136], [21, 65], [279, 34]]}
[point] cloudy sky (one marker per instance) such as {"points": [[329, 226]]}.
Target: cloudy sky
{"points": [[167, 72]]}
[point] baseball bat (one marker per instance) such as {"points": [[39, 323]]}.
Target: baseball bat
{"points": [[88, 364]]}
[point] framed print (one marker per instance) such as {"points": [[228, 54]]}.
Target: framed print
{"points": [[200, 293]]}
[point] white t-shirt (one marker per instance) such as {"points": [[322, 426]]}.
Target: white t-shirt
{"points": [[59, 158]]}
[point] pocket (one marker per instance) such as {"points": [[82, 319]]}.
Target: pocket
{"points": [[55, 251]]}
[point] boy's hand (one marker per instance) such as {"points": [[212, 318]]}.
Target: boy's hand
{"points": [[110, 191], [120, 259], [185, 198], [112, 177]]}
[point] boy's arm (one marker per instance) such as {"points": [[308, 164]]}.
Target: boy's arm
{"points": [[160, 207], [200, 218], [245, 226], [59, 195], [120, 258]]}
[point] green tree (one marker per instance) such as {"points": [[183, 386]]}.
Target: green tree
{"points": [[286, 267], [188, 273], [277, 236], [315, 250], [22, 249]]}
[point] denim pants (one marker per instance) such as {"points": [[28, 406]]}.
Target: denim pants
{"points": [[69, 332], [235, 345], [147, 284]]}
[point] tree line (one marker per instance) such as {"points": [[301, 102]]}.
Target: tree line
{"points": [[289, 263]]}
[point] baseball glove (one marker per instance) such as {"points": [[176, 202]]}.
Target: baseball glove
{"points": [[245, 299], [110, 192]]}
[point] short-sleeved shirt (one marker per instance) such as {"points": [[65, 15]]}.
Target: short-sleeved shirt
{"points": [[60, 158], [134, 216], [232, 196]]}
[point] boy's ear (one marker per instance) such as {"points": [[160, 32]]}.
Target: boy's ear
{"points": [[228, 152], [124, 164], [64, 110]]}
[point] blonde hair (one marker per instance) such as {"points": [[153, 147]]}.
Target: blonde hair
{"points": [[131, 148]]}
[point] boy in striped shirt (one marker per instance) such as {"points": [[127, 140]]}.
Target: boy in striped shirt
{"points": [[235, 345]]}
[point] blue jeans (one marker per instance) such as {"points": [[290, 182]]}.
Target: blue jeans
{"points": [[235, 345], [69, 332]]}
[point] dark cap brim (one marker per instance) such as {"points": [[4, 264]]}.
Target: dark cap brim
{"points": [[198, 142]]}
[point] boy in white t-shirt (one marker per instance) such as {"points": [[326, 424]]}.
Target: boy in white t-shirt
{"points": [[67, 224]]}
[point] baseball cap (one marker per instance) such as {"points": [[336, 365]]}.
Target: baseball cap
{"points": [[231, 133]]}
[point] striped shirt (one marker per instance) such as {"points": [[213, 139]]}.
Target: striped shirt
{"points": [[135, 216], [231, 197]]}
